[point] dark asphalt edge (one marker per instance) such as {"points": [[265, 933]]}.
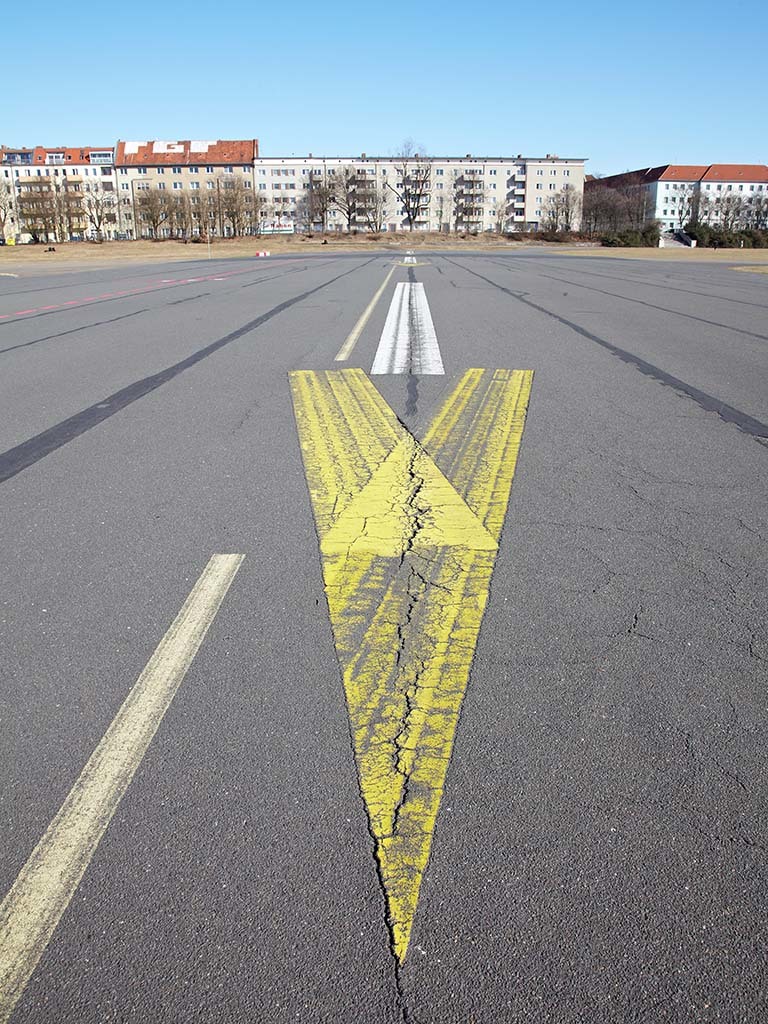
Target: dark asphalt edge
{"points": [[26, 454], [650, 305], [754, 428]]}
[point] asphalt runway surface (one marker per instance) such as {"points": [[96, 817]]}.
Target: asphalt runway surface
{"points": [[598, 839]]}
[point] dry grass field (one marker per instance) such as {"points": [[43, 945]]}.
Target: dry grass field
{"points": [[85, 254]]}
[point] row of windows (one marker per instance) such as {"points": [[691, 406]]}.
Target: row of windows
{"points": [[718, 188], [144, 186], [210, 169]]}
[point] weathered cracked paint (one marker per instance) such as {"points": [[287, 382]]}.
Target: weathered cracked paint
{"points": [[408, 535]]}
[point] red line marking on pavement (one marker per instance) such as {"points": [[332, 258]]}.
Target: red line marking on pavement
{"points": [[164, 283]]}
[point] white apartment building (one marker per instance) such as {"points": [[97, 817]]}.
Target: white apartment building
{"points": [[86, 169], [468, 193], [730, 195]]}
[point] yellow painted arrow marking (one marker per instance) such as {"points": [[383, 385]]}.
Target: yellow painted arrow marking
{"points": [[408, 536]]}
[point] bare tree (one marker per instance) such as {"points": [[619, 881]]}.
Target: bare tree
{"points": [[414, 179], [346, 195], [100, 203], [317, 201], [501, 216], [374, 207], [36, 208], [203, 211], [155, 208], [442, 210], [607, 211], [6, 206], [729, 209], [234, 208]]}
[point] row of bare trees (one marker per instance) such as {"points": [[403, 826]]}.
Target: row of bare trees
{"points": [[611, 210], [229, 209], [57, 209]]}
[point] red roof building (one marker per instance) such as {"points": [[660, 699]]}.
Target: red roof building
{"points": [[185, 153], [672, 194]]}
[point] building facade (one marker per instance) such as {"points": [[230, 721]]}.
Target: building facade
{"points": [[186, 188], [725, 195], [471, 194], [195, 188], [59, 193]]}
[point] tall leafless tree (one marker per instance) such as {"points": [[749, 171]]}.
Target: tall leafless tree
{"points": [[348, 185], [154, 207], [100, 205], [6, 207], [374, 200], [414, 179]]}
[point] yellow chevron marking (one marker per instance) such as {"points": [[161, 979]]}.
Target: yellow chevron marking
{"points": [[408, 539]]}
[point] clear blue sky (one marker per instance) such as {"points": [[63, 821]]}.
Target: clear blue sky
{"points": [[626, 85]]}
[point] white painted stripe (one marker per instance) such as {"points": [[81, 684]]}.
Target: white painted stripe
{"points": [[408, 343], [32, 909], [425, 356]]}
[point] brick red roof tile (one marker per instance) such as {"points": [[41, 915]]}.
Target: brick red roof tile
{"points": [[736, 172], [682, 172], [186, 152]]}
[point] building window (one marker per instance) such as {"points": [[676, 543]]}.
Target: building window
{"points": [[248, 184], [141, 170], [566, 174], [193, 170], [194, 184], [540, 172], [209, 169], [161, 170], [539, 185], [177, 184], [209, 185], [552, 187], [161, 185]]}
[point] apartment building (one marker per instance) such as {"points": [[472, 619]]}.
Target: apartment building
{"points": [[59, 193], [471, 193], [213, 182], [730, 195]]}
